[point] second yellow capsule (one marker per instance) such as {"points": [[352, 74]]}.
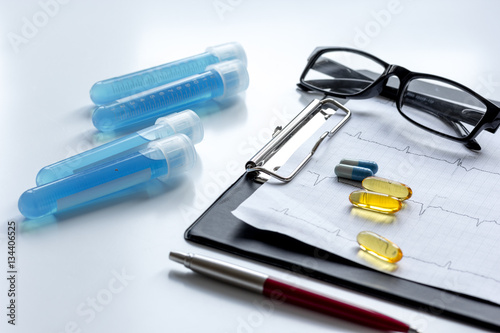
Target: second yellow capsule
{"points": [[377, 202]]}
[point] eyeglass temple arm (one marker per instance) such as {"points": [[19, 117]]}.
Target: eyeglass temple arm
{"points": [[334, 69], [461, 130], [303, 87], [451, 111], [457, 126], [456, 113]]}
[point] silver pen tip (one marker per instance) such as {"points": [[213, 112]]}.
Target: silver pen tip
{"points": [[178, 257], [413, 330]]}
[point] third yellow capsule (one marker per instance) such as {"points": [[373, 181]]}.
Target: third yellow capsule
{"points": [[379, 246]]}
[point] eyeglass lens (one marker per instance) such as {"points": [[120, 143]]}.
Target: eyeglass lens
{"points": [[343, 72]]}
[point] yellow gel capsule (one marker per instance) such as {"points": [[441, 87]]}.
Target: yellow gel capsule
{"points": [[379, 246], [377, 202], [386, 186]]}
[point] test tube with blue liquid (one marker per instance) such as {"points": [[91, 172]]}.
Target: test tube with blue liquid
{"points": [[186, 122], [217, 82], [111, 90], [162, 159]]}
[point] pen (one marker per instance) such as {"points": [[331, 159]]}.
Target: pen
{"points": [[275, 289]]}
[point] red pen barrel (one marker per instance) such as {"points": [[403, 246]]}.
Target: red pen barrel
{"points": [[281, 291]]}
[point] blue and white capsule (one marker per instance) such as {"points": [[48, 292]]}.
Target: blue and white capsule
{"points": [[352, 172], [373, 166]]}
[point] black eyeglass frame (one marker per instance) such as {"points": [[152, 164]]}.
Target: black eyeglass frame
{"points": [[490, 121]]}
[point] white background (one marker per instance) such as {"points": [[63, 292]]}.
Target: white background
{"points": [[66, 263]]}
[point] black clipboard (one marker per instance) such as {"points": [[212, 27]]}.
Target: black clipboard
{"points": [[218, 228]]}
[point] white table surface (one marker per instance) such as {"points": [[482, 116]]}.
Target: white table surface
{"points": [[67, 266]]}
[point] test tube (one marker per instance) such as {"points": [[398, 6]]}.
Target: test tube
{"points": [[110, 90], [186, 122], [217, 82], [162, 159]]}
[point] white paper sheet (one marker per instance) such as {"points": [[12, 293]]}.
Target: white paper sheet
{"points": [[449, 230]]}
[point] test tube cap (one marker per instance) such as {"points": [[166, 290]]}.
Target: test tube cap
{"points": [[186, 122], [228, 51], [178, 151], [234, 76]]}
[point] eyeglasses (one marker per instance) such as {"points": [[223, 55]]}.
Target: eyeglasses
{"points": [[438, 105]]}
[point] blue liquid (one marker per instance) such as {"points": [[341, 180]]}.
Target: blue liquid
{"points": [[89, 158], [158, 102], [91, 184], [111, 90]]}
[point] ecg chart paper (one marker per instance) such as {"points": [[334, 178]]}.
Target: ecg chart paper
{"points": [[449, 230]]}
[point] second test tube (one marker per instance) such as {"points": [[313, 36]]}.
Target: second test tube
{"points": [[217, 82]]}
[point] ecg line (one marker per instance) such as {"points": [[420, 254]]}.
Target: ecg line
{"points": [[339, 180], [448, 267], [318, 181], [458, 162], [337, 231], [478, 220]]}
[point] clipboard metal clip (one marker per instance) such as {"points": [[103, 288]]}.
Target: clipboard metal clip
{"points": [[256, 166]]}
